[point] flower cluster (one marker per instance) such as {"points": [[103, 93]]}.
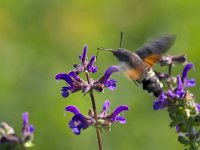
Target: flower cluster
{"points": [[9, 139], [170, 60], [27, 130], [75, 83], [80, 121], [179, 92], [85, 65], [183, 110]]}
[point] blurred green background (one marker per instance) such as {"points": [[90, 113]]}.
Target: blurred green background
{"points": [[40, 38]]}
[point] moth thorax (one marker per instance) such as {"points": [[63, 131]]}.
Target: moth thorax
{"points": [[149, 74]]}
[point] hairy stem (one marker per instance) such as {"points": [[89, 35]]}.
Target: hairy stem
{"points": [[95, 113]]}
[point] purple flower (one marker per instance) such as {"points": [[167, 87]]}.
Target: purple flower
{"points": [[187, 82], [74, 83], [27, 129], [177, 127], [105, 109], [106, 81], [180, 92], [85, 65], [198, 107], [78, 121], [8, 136], [182, 83], [113, 116], [169, 59], [83, 57], [91, 67], [65, 90], [161, 102]]}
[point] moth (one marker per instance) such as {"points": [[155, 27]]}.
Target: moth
{"points": [[138, 65]]}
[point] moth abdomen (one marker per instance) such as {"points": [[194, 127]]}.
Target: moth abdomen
{"points": [[151, 84], [151, 87]]}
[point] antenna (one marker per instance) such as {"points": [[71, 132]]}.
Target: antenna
{"points": [[121, 37], [97, 53]]}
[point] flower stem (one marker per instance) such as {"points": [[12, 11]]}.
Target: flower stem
{"points": [[169, 73], [170, 69], [22, 147], [95, 113]]}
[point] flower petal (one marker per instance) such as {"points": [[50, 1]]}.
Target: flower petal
{"points": [[110, 84], [180, 89], [79, 117], [179, 59], [77, 123], [73, 74], [31, 128], [78, 68], [83, 57], [104, 111], [177, 127], [121, 119], [27, 129], [185, 72], [25, 118], [119, 109], [161, 102], [91, 67], [73, 109], [171, 94], [162, 96], [12, 139], [158, 104], [72, 124], [6, 128], [76, 131], [65, 90], [109, 71], [198, 107], [106, 106], [64, 76], [190, 83], [179, 83]]}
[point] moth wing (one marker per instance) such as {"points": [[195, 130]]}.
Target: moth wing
{"points": [[152, 59], [133, 73], [158, 47]]}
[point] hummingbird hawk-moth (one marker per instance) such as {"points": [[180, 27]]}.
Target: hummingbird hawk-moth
{"points": [[138, 65]]}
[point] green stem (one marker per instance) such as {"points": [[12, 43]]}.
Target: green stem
{"points": [[98, 132], [170, 69], [169, 73]]}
